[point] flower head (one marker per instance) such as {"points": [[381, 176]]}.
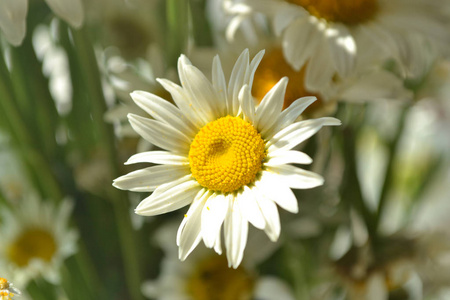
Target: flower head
{"points": [[225, 157], [333, 36], [35, 240], [7, 291], [205, 275]]}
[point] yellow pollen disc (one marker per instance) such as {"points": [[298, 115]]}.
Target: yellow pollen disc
{"points": [[33, 243], [272, 68], [349, 12], [213, 280], [226, 154]]}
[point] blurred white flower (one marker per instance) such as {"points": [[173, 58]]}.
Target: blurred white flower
{"points": [[331, 36], [365, 85], [205, 275], [228, 159], [35, 240], [13, 16]]}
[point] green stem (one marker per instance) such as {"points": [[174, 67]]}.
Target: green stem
{"points": [[89, 68], [295, 257], [177, 14], [388, 177], [37, 166], [351, 187]]}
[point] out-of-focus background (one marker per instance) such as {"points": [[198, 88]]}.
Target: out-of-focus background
{"points": [[379, 227]]}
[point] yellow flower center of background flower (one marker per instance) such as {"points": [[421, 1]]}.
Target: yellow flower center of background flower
{"points": [[345, 11], [271, 69], [213, 280], [226, 154], [3, 283], [33, 243]]}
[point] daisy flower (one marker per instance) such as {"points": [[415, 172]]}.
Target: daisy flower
{"points": [[231, 161], [332, 35], [371, 84], [7, 291], [205, 275], [35, 240], [13, 15]]}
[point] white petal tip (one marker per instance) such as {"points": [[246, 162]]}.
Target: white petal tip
{"points": [[333, 122]]}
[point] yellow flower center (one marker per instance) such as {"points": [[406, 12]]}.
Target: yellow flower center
{"points": [[213, 280], [349, 12], [271, 69], [226, 154], [4, 284], [31, 244]]}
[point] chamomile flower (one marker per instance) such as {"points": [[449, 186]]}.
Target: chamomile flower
{"points": [[370, 84], [7, 291], [35, 240], [231, 161], [205, 275], [13, 16], [332, 35]]}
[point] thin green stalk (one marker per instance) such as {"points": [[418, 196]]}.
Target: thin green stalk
{"points": [[177, 14], [388, 176], [294, 256], [351, 188], [201, 28], [38, 168], [89, 68], [39, 111], [41, 290]]}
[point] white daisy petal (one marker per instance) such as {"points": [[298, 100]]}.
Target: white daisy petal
{"points": [[182, 101], [158, 157], [284, 17], [269, 288], [172, 199], [148, 179], [218, 243], [276, 190], [299, 41], [318, 71], [213, 214], [270, 213], [236, 232], [270, 106], [249, 75], [13, 20], [162, 110], [249, 208], [236, 82], [167, 186], [70, 11], [296, 133], [192, 90], [342, 48], [220, 85], [290, 114], [189, 234], [247, 104], [297, 178], [288, 157], [160, 134], [201, 91]]}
